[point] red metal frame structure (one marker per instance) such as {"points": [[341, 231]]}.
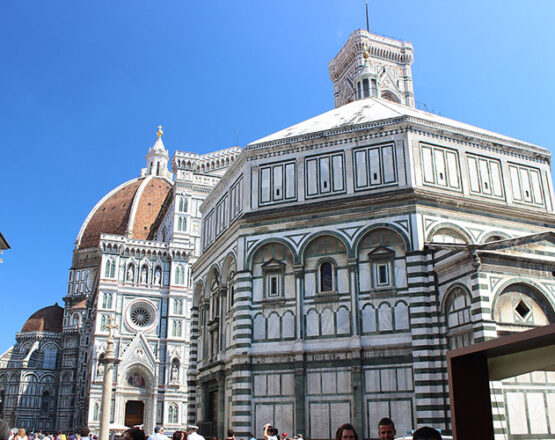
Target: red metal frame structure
{"points": [[472, 368]]}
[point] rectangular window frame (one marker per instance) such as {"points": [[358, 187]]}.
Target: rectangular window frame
{"points": [[480, 188], [279, 170], [365, 177], [317, 189], [443, 152]]}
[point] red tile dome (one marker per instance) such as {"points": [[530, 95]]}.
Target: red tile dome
{"points": [[130, 210], [47, 319]]}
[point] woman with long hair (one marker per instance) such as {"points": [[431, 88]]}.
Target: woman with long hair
{"points": [[346, 432]]}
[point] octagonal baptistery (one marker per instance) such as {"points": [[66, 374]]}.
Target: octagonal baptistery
{"points": [[344, 255]]}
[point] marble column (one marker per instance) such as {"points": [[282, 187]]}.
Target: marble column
{"points": [[109, 362]]}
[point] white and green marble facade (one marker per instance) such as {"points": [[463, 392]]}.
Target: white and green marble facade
{"points": [[438, 235]]}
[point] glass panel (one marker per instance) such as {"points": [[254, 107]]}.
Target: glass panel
{"points": [[360, 163], [325, 174], [278, 182], [337, 164], [326, 277], [311, 177], [290, 181], [375, 171], [265, 185]]}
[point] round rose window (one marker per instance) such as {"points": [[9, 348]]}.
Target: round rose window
{"points": [[141, 316]]}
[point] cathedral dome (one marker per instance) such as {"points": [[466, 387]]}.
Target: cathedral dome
{"points": [[47, 319], [130, 210]]}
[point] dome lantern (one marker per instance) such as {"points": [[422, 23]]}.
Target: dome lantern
{"points": [[157, 159]]}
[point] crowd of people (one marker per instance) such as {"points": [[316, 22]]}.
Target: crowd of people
{"points": [[386, 431]]}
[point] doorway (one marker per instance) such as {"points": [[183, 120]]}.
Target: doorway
{"points": [[134, 413]]}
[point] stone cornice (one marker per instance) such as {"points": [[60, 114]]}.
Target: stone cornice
{"points": [[500, 145]]}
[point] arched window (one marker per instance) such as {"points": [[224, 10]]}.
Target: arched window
{"points": [[45, 402], [182, 204], [50, 356], [459, 319], [326, 277], [521, 307], [179, 275]]}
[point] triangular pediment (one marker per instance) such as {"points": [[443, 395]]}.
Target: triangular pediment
{"points": [[138, 352], [273, 264], [381, 252]]}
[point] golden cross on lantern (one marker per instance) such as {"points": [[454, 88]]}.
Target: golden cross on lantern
{"points": [[111, 326], [159, 132]]}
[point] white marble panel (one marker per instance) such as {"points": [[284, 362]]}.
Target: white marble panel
{"points": [[313, 383], [372, 381], [290, 291], [329, 382], [344, 382], [401, 316], [260, 385], [259, 327], [288, 325], [312, 326], [404, 379], [388, 379], [319, 420], [401, 413], [536, 413], [340, 413], [273, 326], [377, 410], [257, 289], [368, 319], [287, 384], [283, 417], [385, 318], [309, 284], [343, 321], [364, 277], [264, 413], [327, 320], [516, 412], [538, 377], [274, 385], [551, 409], [400, 273], [342, 280]]}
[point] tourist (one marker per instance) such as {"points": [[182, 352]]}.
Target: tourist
{"points": [[159, 434], [270, 433], [134, 434], [85, 434], [21, 434], [193, 434], [230, 435], [5, 432], [386, 429], [252, 437], [178, 435], [346, 432], [426, 433]]}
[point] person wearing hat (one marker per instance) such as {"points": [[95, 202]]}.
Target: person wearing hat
{"points": [[193, 434]]}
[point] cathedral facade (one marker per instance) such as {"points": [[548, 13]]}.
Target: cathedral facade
{"points": [[316, 277], [132, 261]]}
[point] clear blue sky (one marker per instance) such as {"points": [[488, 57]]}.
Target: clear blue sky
{"points": [[85, 83]]}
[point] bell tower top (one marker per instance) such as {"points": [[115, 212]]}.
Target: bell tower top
{"points": [[370, 65]]}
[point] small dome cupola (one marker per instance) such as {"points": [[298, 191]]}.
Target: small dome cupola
{"points": [[366, 80], [157, 158]]}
